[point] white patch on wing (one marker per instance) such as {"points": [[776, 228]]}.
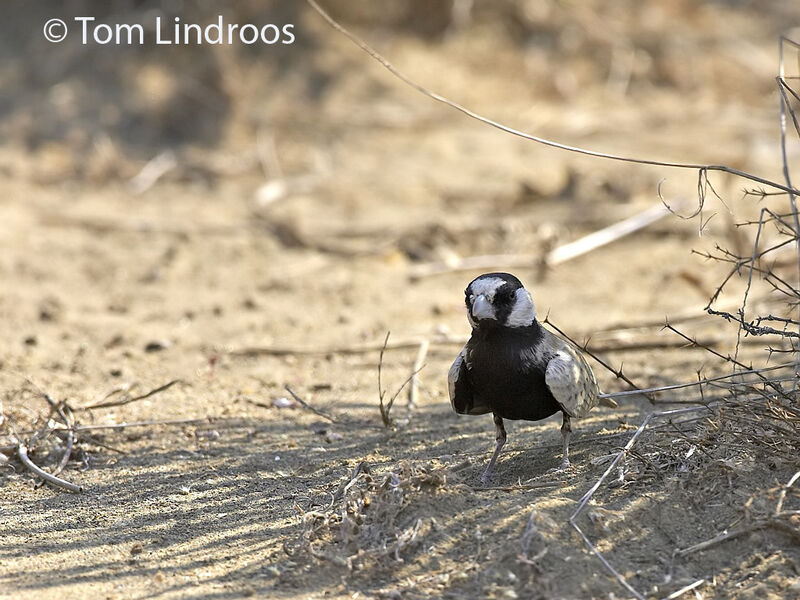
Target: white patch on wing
{"points": [[466, 404], [452, 376], [524, 312], [572, 383]]}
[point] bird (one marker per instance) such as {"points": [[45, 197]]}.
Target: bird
{"points": [[516, 369]]}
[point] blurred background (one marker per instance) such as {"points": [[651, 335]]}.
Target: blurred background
{"points": [[313, 149], [197, 192]]}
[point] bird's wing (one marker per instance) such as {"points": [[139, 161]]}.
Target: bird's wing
{"points": [[571, 380], [461, 396]]}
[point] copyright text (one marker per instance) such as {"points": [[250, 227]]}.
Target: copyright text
{"points": [[169, 32]]}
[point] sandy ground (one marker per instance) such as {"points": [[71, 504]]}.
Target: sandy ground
{"points": [[236, 290]]}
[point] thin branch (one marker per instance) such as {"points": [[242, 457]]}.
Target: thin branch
{"points": [[617, 372], [694, 342], [784, 104], [307, 406], [750, 327], [126, 400], [22, 451], [413, 386], [139, 424], [518, 488], [777, 319], [69, 420], [776, 387], [588, 495], [555, 257], [439, 98], [749, 284], [729, 535], [701, 382], [323, 414], [381, 392], [65, 412], [785, 89], [684, 589], [386, 407], [607, 234], [782, 495]]}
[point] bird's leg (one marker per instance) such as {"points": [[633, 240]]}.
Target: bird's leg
{"points": [[501, 440], [565, 431]]}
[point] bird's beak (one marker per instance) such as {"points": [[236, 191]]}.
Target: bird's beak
{"points": [[482, 308]]}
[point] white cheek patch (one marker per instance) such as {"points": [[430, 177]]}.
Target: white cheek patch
{"points": [[487, 286], [524, 312]]}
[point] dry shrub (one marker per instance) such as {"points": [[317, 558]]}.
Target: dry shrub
{"points": [[368, 521], [739, 434]]}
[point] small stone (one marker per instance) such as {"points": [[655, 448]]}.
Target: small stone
{"points": [[284, 403], [319, 428], [50, 309], [157, 345]]}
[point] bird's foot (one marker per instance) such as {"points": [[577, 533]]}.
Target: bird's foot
{"points": [[565, 465], [487, 476]]}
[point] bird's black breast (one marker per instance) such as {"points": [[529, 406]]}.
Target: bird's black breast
{"points": [[506, 368]]}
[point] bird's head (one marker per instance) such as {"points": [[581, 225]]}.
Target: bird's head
{"points": [[498, 299]]}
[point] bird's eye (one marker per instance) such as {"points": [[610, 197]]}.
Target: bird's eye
{"points": [[469, 298], [504, 296]]}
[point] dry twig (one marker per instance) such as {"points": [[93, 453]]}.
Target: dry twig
{"points": [[307, 406], [22, 451], [69, 421], [139, 424], [684, 589], [588, 495], [735, 533], [386, 406], [127, 400], [413, 386], [555, 257], [519, 488]]}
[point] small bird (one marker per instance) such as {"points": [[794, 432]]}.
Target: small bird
{"points": [[514, 368]]}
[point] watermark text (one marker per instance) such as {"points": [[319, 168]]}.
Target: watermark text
{"points": [[166, 31]]}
